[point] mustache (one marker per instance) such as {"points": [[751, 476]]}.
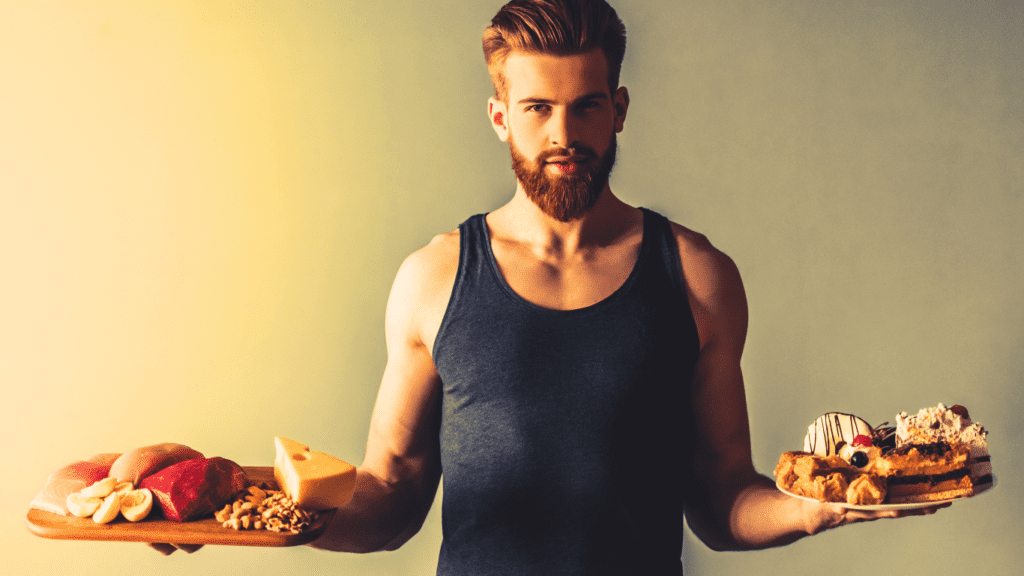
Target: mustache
{"points": [[577, 151]]}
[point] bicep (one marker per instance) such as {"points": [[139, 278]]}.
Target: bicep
{"points": [[403, 438], [720, 412], [719, 404], [721, 464], [403, 445]]}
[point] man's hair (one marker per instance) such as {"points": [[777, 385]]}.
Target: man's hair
{"points": [[556, 27]]}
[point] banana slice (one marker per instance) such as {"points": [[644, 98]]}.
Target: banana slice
{"points": [[124, 487], [100, 489], [83, 506], [136, 504], [109, 509]]}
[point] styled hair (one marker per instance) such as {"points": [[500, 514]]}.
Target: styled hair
{"points": [[556, 27]]}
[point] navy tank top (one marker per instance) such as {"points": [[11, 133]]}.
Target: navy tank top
{"points": [[565, 434]]}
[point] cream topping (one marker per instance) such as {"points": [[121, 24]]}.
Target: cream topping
{"points": [[940, 424]]}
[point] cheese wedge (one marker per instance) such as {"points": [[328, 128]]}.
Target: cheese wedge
{"points": [[313, 480]]}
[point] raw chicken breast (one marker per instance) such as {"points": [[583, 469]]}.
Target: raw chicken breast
{"points": [[136, 464], [70, 479]]}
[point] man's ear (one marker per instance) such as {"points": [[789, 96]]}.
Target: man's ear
{"points": [[620, 103], [498, 113]]}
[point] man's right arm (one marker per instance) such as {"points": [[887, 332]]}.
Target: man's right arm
{"points": [[397, 481]]}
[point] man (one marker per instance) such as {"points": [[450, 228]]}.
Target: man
{"points": [[569, 362]]}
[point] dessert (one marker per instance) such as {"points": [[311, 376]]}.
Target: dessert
{"points": [[928, 472], [866, 490], [935, 455], [828, 479], [830, 431], [952, 425]]}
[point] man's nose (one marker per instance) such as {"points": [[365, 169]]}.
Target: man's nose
{"points": [[563, 129]]}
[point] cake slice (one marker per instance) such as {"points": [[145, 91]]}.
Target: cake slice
{"points": [[926, 472], [951, 425]]}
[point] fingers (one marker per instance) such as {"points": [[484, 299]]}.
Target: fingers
{"points": [[188, 548], [924, 511], [826, 515], [167, 549], [853, 516], [861, 516]]}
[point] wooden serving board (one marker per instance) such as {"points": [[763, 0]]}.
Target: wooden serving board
{"points": [[156, 528]]}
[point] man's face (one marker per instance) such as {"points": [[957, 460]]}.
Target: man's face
{"points": [[560, 123]]}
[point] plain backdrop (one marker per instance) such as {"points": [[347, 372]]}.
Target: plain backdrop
{"points": [[203, 205]]}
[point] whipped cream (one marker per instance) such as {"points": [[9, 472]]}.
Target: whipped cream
{"points": [[951, 425]]}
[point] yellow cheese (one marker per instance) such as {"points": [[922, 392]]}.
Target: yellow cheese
{"points": [[313, 480]]}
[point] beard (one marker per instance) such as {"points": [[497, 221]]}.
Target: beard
{"points": [[564, 197]]}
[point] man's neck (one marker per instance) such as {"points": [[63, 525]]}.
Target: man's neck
{"points": [[608, 222]]}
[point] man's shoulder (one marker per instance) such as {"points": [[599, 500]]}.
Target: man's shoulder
{"points": [[421, 289], [697, 251], [439, 256], [428, 274], [712, 277]]}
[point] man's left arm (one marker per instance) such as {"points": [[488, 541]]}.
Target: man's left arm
{"points": [[729, 505]]}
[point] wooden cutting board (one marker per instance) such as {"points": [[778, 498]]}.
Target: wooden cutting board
{"points": [[159, 529]]}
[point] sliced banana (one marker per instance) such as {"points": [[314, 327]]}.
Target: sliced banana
{"points": [[83, 506], [136, 504], [109, 509], [100, 489]]}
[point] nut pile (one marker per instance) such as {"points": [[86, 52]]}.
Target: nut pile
{"points": [[261, 508]]}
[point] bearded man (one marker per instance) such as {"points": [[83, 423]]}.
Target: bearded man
{"points": [[569, 364]]}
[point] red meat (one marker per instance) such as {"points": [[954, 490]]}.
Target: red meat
{"points": [[197, 487]]}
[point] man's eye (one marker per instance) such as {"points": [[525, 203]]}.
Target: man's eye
{"points": [[537, 108]]}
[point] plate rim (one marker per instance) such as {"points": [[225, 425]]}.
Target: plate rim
{"points": [[902, 506]]}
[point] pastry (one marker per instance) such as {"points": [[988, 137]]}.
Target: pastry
{"points": [[937, 454]]}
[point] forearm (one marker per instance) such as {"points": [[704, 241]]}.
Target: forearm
{"points": [[747, 512], [752, 514], [763, 517], [379, 517]]}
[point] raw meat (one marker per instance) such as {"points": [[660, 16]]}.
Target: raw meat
{"points": [[70, 479], [136, 464], [197, 487]]}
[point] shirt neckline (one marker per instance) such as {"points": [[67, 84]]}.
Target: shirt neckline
{"points": [[645, 241]]}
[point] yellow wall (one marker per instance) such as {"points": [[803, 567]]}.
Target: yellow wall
{"points": [[203, 205]]}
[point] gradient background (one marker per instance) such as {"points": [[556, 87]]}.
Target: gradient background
{"points": [[203, 205]]}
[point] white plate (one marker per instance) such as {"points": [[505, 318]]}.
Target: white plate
{"points": [[906, 506]]}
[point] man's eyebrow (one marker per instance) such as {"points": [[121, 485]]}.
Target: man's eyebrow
{"points": [[591, 96]]}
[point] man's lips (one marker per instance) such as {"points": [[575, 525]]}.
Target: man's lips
{"points": [[566, 159], [566, 164]]}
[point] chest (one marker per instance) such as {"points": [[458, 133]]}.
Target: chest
{"points": [[560, 282]]}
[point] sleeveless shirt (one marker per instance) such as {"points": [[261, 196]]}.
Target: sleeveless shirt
{"points": [[565, 434]]}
